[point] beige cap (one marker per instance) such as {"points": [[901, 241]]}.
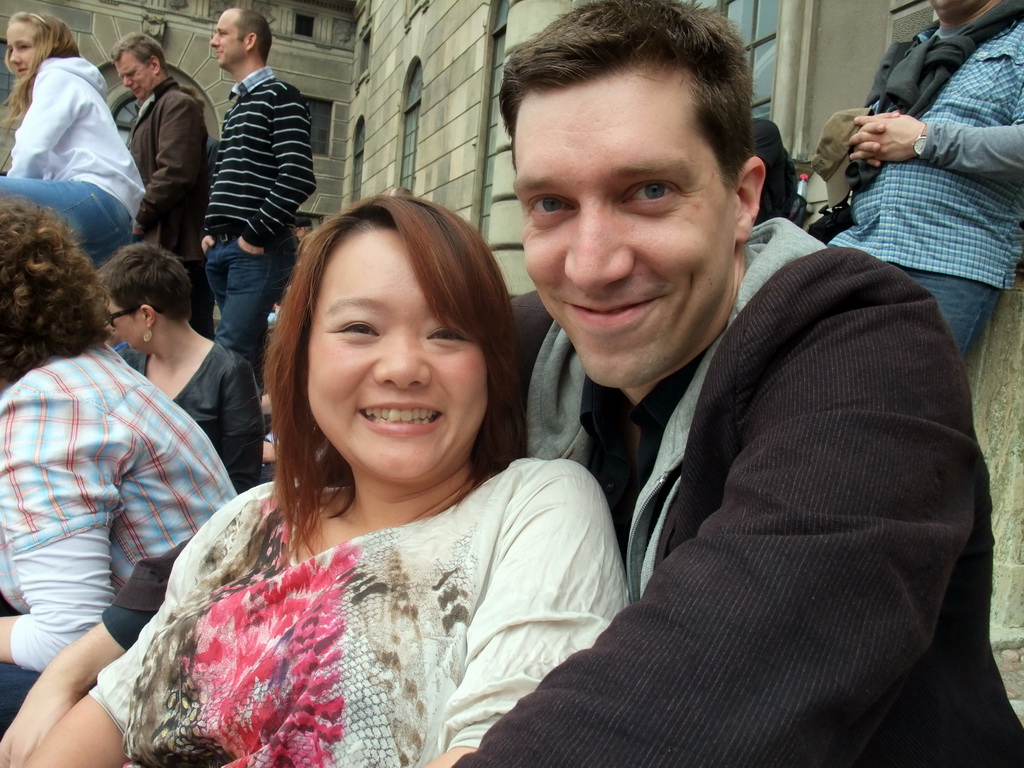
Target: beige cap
{"points": [[833, 146]]}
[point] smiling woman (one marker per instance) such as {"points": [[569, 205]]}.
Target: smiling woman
{"points": [[407, 578]]}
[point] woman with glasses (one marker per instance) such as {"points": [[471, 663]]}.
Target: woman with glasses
{"points": [[98, 469], [68, 154], [149, 304]]}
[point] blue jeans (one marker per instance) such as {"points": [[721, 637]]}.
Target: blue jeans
{"points": [[965, 304], [14, 685], [99, 219], [246, 286]]}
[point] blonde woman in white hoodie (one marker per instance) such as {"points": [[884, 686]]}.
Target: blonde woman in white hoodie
{"points": [[67, 152]]}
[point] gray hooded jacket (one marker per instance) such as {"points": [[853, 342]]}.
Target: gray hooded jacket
{"points": [[556, 388]]}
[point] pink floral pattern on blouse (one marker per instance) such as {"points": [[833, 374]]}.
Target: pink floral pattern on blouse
{"points": [[259, 668]]}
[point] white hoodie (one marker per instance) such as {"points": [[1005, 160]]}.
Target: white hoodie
{"points": [[68, 134]]}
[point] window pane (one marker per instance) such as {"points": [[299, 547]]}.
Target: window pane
{"points": [[360, 140], [124, 116], [494, 118], [303, 25], [501, 16], [741, 12], [357, 160], [494, 131], [411, 126], [412, 118], [764, 70], [708, 3], [357, 177], [6, 78], [767, 18], [412, 98], [320, 126], [364, 53], [488, 197]]}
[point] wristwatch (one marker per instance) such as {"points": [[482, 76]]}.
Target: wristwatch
{"points": [[920, 141]]}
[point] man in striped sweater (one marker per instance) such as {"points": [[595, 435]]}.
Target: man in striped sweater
{"points": [[264, 172]]}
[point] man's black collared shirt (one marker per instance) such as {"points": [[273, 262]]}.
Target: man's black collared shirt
{"points": [[602, 414]]}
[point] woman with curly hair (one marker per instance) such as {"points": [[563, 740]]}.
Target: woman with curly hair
{"points": [[67, 152], [98, 468], [407, 577]]}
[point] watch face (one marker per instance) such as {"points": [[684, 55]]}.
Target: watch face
{"points": [[919, 145]]}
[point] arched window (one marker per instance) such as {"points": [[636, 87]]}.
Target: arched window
{"points": [[494, 129], [6, 78], [411, 124], [124, 116], [357, 159]]}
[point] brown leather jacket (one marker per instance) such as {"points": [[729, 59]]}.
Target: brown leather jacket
{"points": [[168, 143]]}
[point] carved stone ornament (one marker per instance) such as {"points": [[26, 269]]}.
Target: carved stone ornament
{"points": [[343, 33], [155, 27], [266, 10], [217, 7]]}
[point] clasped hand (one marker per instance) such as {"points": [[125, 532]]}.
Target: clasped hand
{"points": [[888, 137]]}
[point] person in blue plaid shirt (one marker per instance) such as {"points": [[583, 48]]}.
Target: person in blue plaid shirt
{"points": [[944, 200]]}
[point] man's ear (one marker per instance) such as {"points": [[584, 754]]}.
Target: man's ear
{"points": [[250, 41], [748, 197]]}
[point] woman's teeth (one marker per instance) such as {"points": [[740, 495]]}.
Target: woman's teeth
{"points": [[404, 415]]}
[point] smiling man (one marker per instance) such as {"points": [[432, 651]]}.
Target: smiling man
{"points": [[168, 144], [784, 437]]}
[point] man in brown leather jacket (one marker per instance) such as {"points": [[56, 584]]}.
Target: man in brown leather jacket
{"points": [[168, 144]]}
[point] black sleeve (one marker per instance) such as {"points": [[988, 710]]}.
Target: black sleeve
{"points": [[241, 425], [145, 588], [140, 597], [124, 624]]}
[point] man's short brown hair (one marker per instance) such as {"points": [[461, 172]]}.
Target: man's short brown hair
{"points": [[250, 22], [613, 36], [142, 47]]}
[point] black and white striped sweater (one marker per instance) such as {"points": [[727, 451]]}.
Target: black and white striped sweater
{"points": [[264, 166]]}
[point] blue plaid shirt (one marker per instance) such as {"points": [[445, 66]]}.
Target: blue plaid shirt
{"points": [[919, 215], [89, 443], [250, 81]]}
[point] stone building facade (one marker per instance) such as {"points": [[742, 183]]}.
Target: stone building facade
{"points": [[404, 94]]}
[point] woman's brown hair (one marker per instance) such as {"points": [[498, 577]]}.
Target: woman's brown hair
{"points": [[463, 287], [143, 273], [51, 301], [52, 39]]}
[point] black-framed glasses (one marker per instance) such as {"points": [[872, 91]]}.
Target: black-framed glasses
{"points": [[121, 313]]}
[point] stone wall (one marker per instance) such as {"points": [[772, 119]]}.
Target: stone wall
{"points": [[451, 42], [995, 367]]}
